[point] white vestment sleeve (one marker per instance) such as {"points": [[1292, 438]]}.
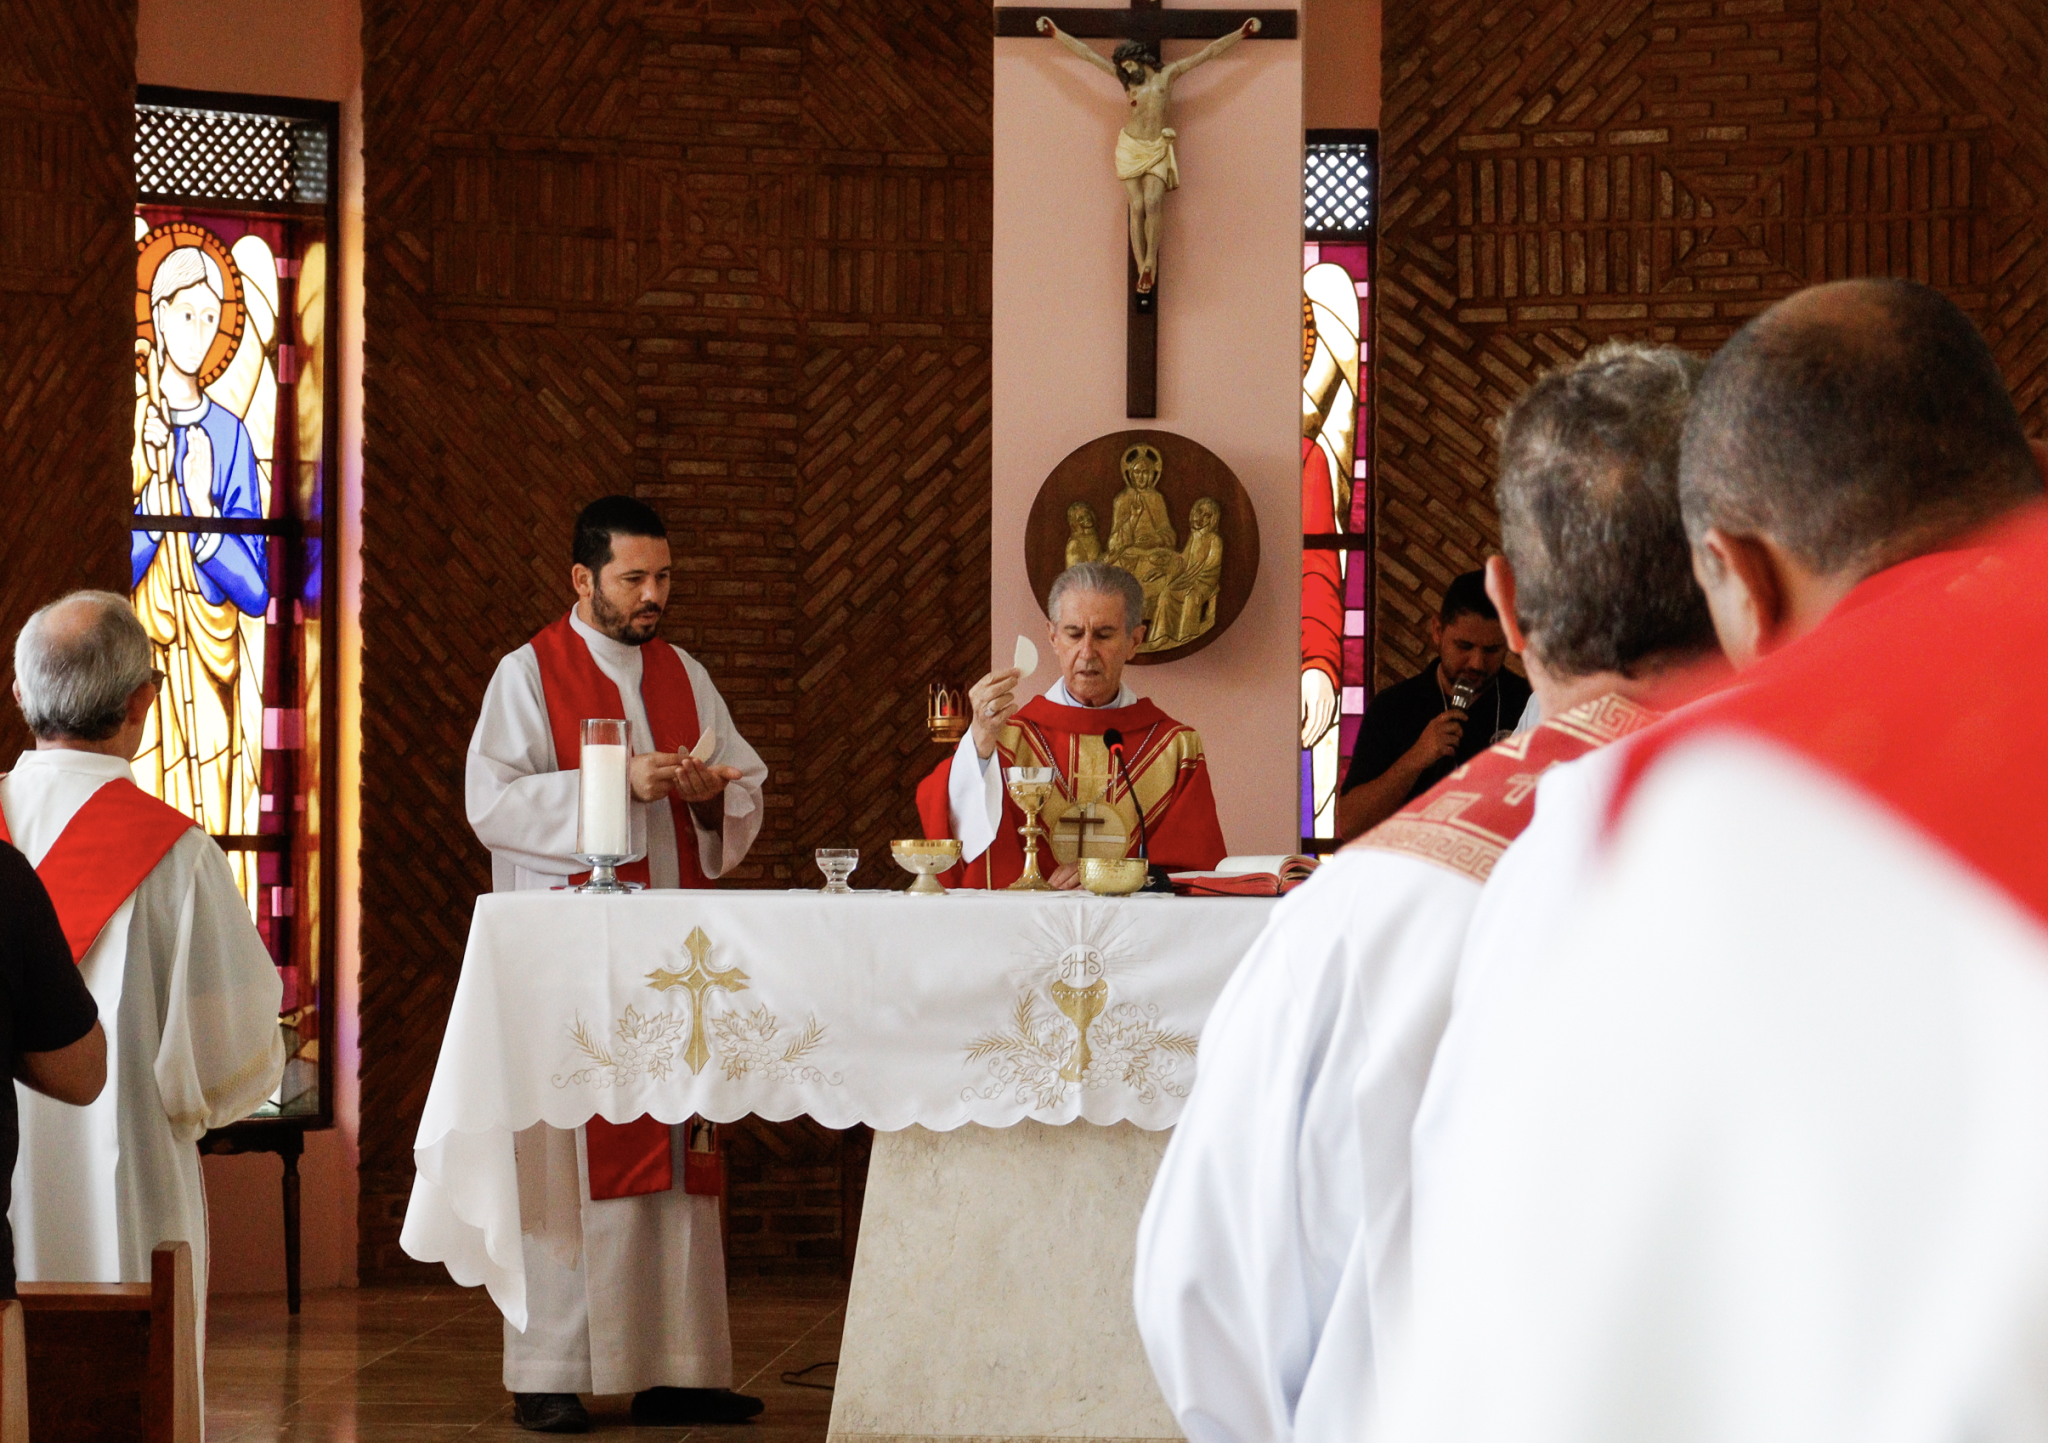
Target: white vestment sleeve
{"points": [[221, 1053], [974, 799], [1273, 1246], [519, 805], [721, 850]]}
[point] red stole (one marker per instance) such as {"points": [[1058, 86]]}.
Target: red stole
{"points": [[1181, 824], [576, 690], [1925, 689], [106, 849], [632, 1158], [1468, 819]]}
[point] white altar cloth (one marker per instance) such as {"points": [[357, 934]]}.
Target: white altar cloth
{"points": [[875, 1008]]}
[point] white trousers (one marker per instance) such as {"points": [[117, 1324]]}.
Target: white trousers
{"points": [[640, 1305]]}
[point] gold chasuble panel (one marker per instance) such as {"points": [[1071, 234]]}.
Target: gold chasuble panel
{"points": [[1090, 813]]}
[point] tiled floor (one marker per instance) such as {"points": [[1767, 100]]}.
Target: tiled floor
{"points": [[397, 1365]]}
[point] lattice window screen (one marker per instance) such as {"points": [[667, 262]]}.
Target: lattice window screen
{"points": [[1337, 188], [217, 155]]}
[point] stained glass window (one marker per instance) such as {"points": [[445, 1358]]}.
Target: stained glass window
{"points": [[1336, 465], [229, 463]]}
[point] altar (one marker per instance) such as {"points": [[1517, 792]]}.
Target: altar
{"points": [[1019, 1057]]}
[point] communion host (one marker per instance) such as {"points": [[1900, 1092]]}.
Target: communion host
{"points": [[1097, 625]]}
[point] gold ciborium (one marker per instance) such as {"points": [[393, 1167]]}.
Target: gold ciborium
{"points": [[1113, 876], [926, 857], [1030, 788]]}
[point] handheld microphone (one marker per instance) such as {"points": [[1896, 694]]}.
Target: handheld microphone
{"points": [[1155, 877]]}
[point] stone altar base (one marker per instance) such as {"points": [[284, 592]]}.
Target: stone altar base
{"points": [[991, 1289]]}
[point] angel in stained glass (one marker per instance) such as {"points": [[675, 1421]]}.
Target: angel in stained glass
{"points": [[202, 595]]}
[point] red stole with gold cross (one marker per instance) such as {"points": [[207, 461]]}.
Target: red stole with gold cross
{"points": [[1468, 819], [632, 1158], [106, 849]]}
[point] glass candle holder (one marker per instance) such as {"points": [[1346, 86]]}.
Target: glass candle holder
{"points": [[604, 813]]}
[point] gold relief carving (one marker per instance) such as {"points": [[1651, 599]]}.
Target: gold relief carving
{"points": [[1083, 542], [1152, 483], [745, 1043], [1085, 1041]]}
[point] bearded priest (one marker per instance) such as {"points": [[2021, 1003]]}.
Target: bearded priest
{"points": [[625, 1269], [1097, 625]]}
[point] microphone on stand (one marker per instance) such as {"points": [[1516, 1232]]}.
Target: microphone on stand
{"points": [[1156, 879]]}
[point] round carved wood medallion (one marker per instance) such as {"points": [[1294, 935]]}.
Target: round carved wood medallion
{"points": [[1165, 509]]}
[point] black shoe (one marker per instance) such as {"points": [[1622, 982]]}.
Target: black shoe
{"points": [[550, 1413], [671, 1406]]}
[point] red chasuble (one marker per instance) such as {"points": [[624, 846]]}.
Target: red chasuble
{"points": [[626, 1159], [1468, 819], [105, 850], [1164, 760], [1925, 689]]}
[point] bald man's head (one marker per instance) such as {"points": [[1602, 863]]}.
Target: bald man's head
{"points": [[1856, 425]]}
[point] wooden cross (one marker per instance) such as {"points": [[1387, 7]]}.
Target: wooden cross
{"points": [[696, 980], [1144, 20]]}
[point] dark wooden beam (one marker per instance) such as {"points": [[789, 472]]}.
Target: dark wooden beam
{"points": [[1021, 22], [1141, 345]]}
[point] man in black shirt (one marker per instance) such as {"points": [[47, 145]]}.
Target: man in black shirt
{"points": [[48, 1021], [1412, 737]]}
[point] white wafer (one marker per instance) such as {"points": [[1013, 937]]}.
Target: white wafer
{"points": [[1026, 659], [706, 745]]}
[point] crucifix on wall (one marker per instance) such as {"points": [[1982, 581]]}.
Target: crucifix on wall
{"points": [[1145, 161]]}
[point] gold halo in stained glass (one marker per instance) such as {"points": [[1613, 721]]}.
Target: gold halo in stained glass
{"points": [[150, 252]]}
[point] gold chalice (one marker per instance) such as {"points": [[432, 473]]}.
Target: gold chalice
{"points": [[1030, 788], [927, 857]]}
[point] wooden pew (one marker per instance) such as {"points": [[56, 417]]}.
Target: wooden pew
{"points": [[112, 1360]]}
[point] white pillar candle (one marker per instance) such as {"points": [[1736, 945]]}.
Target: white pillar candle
{"points": [[606, 829]]}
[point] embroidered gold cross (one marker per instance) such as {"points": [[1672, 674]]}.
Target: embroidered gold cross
{"points": [[697, 979]]}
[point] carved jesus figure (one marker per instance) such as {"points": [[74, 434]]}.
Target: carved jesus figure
{"points": [[1144, 148]]}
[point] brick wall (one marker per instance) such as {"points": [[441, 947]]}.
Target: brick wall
{"points": [[733, 258], [67, 281], [1570, 171]]}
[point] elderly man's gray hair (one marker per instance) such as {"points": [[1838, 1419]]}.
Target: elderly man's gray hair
{"points": [[76, 664], [1589, 514], [1099, 578]]}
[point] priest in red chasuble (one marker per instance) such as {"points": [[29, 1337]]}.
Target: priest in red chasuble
{"points": [[1096, 629], [164, 941], [602, 1317]]}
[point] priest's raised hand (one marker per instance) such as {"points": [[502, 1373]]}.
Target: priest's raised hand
{"points": [[994, 699]]}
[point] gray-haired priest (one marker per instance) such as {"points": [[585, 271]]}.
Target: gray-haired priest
{"points": [[164, 941], [1097, 626], [625, 1270]]}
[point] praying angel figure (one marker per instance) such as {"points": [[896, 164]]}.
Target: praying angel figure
{"points": [[1144, 148]]}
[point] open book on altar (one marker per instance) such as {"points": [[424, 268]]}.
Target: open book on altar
{"points": [[1246, 877]]}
